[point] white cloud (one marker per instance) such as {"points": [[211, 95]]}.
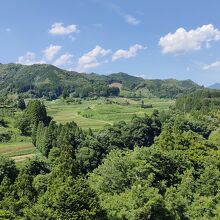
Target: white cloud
{"points": [[131, 20], [90, 59], [28, 59], [128, 18], [214, 65], [131, 52], [185, 41], [63, 60], [60, 29], [51, 51], [140, 75], [72, 38]]}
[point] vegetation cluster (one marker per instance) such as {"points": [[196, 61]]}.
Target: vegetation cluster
{"points": [[160, 166]]}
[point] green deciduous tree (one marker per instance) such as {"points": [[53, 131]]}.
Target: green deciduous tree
{"points": [[21, 104], [7, 169]]}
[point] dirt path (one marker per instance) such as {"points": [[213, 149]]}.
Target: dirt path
{"points": [[11, 147], [22, 157]]}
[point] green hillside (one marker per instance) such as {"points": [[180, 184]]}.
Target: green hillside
{"points": [[168, 88], [43, 80], [128, 82]]}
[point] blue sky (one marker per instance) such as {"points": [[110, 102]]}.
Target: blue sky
{"points": [[147, 38]]}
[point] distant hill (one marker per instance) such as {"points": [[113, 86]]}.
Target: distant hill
{"points": [[215, 86], [168, 87], [129, 82], [46, 80], [43, 80]]}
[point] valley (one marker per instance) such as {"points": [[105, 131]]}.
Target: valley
{"points": [[106, 144], [94, 114]]}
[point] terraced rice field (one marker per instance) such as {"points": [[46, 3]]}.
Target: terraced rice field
{"points": [[97, 113], [87, 114]]}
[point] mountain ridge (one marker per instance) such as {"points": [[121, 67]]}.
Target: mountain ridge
{"points": [[47, 80]]}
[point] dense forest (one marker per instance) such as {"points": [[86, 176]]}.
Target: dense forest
{"points": [[43, 80], [161, 166]]}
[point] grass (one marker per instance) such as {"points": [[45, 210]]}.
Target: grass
{"points": [[18, 145], [18, 151], [16, 148], [97, 113]]}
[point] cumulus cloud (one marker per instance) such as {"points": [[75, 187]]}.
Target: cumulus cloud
{"points": [[60, 29], [51, 51], [63, 60], [91, 59], [214, 65], [131, 20], [131, 52], [28, 59], [185, 41]]}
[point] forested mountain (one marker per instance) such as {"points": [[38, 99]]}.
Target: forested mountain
{"points": [[43, 80], [168, 88], [128, 82]]}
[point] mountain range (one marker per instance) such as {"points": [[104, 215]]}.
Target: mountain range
{"points": [[44, 80]]}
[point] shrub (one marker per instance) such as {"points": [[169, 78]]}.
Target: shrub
{"points": [[5, 136]]}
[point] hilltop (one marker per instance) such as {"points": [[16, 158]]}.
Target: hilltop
{"points": [[43, 80]]}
